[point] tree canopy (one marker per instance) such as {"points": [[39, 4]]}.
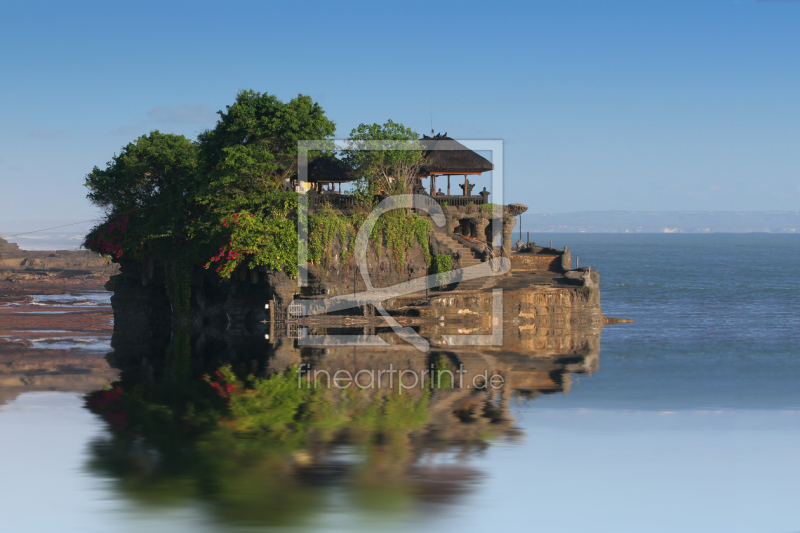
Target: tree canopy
{"points": [[154, 169], [254, 144], [220, 201], [388, 156]]}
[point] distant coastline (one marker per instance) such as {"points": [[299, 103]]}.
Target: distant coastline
{"points": [[663, 222], [71, 237]]}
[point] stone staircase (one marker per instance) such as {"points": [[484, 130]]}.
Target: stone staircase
{"points": [[467, 258]]}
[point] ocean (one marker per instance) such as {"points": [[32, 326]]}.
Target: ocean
{"points": [[690, 424]]}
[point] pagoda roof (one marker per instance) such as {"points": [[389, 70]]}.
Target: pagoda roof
{"points": [[328, 169], [448, 156]]}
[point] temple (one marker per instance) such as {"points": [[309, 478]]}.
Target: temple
{"points": [[469, 216], [448, 157], [444, 286]]}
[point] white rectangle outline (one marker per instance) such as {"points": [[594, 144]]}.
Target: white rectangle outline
{"points": [[495, 146]]}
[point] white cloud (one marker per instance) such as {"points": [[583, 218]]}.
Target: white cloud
{"points": [[200, 114], [139, 128], [183, 114], [49, 135]]}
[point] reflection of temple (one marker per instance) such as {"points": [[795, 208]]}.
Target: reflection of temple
{"points": [[371, 465], [422, 455]]}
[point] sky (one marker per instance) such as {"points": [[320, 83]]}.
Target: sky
{"points": [[615, 105]]}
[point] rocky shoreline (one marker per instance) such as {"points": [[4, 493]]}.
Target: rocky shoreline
{"points": [[57, 267], [55, 322]]}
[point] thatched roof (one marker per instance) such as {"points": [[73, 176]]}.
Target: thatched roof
{"points": [[328, 169], [447, 156]]}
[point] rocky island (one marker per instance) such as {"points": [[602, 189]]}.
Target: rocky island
{"points": [[245, 237], [262, 315]]}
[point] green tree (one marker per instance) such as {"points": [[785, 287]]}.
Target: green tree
{"points": [[254, 144], [168, 197], [146, 192], [153, 170], [389, 156]]}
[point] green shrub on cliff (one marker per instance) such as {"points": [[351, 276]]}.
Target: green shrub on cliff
{"points": [[395, 231], [442, 265], [398, 231], [254, 241]]}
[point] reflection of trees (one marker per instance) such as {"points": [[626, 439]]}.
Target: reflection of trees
{"points": [[269, 452], [238, 487], [265, 451]]}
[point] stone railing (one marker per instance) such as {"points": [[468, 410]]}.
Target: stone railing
{"points": [[346, 200], [460, 201]]}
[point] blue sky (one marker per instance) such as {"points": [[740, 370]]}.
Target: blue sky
{"points": [[613, 105]]}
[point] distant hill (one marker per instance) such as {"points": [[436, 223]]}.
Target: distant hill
{"points": [[663, 222]]}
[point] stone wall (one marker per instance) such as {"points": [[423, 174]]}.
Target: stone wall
{"points": [[535, 262]]}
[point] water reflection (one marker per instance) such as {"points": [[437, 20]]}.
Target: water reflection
{"points": [[265, 431]]}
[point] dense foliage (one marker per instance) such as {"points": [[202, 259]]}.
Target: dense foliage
{"points": [[389, 156], [254, 145], [395, 232], [154, 170], [217, 202], [263, 239], [220, 202]]}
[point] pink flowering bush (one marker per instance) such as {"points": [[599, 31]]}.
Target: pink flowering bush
{"points": [[108, 404], [256, 241], [108, 237], [224, 383]]}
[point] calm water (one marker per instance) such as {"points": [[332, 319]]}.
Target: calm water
{"points": [[691, 423]]}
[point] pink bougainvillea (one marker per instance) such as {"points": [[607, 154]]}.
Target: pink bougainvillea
{"points": [[225, 383], [108, 404], [107, 238], [232, 254]]}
